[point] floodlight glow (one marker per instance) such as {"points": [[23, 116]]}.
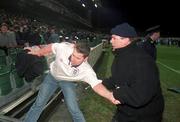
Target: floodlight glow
{"points": [[95, 5], [83, 5], [66, 37]]}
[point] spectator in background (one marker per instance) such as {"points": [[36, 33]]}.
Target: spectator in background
{"points": [[135, 79], [46, 35], [149, 44], [70, 66], [34, 37], [51, 36], [54, 37], [7, 38], [18, 34], [25, 30]]}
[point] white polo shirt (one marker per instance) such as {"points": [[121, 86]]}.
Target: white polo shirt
{"points": [[62, 70]]}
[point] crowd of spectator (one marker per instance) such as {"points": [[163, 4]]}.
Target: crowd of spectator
{"points": [[18, 31]]}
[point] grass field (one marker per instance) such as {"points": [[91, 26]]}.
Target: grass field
{"points": [[97, 109], [169, 67]]}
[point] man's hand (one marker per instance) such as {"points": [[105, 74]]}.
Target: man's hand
{"points": [[33, 50], [113, 100], [102, 91], [41, 50]]}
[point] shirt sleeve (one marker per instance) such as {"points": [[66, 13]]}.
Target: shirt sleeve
{"points": [[92, 79], [54, 47], [63, 46]]}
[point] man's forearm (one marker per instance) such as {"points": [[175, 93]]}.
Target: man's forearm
{"points": [[40, 51], [104, 92], [45, 50]]}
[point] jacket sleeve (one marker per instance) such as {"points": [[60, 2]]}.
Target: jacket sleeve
{"points": [[144, 86], [108, 83]]}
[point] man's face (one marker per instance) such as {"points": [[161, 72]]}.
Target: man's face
{"points": [[119, 42], [156, 35], [4, 29], [77, 58]]}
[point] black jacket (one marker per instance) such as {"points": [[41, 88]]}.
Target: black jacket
{"points": [[29, 66], [135, 82], [149, 46]]}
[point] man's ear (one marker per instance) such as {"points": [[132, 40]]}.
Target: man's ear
{"points": [[127, 40], [86, 59]]}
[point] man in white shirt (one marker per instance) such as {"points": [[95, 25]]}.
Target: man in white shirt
{"points": [[69, 66]]}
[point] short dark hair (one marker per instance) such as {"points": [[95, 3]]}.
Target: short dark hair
{"points": [[83, 47], [4, 24]]}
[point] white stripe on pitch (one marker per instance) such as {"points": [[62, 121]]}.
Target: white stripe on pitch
{"points": [[176, 71]]}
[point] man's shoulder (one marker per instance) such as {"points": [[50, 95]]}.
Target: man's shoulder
{"points": [[64, 44], [87, 67], [144, 43]]}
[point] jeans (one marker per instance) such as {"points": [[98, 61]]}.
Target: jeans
{"points": [[47, 89]]}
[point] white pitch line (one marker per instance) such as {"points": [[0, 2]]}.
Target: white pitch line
{"points": [[176, 71]]}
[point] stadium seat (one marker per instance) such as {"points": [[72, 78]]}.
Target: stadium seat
{"points": [[5, 81], [18, 80], [2, 59], [12, 55], [2, 52]]}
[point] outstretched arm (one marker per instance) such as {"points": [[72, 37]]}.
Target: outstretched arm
{"points": [[102, 91], [40, 51]]}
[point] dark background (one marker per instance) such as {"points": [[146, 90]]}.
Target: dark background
{"points": [[140, 14]]}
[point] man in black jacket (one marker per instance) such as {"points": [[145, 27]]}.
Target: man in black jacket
{"points": [[149, 44], [135, 79]]}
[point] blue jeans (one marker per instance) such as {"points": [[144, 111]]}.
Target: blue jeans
{"points": [[47, 89]]}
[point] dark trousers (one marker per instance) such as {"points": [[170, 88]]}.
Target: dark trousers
{"points": [[121, 117]]}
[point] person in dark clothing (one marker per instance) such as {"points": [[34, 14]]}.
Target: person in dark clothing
{"points": [[135, 79], [29, 66], [149, 44]]}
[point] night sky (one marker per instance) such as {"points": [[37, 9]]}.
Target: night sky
{"points": [[141, 15]]}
